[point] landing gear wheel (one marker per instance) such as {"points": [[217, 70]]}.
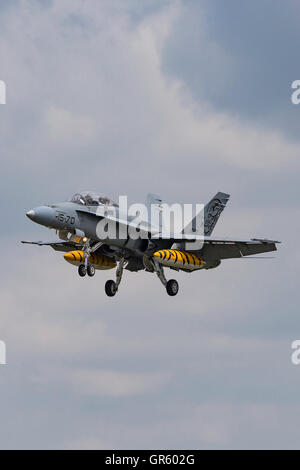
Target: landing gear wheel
{"points": [[91, 270], [110, 288], [81, 270], [172, 287]]}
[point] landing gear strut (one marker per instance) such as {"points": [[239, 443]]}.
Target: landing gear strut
{"points": [[171, 286], [111, 287]]}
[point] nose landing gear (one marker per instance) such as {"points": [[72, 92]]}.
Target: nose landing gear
{"points": [[91, 270], [88, 268], [82, 270]]}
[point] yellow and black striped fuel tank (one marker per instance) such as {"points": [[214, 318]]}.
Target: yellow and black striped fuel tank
{"points": [[98, 261], [179, 259]]}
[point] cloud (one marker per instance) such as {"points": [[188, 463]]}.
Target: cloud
{"points": [[64, 125], [249, 77], [116, 384]]}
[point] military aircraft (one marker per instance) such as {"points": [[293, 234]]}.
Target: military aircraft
{"points": [[76, 222]]}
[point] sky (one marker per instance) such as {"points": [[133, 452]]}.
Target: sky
{"points": [[183, 99]]}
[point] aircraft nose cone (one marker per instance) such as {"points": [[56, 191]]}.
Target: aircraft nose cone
{"points": [[30, 214], [42, 215]]}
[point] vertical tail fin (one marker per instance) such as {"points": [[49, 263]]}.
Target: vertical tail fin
{"points": [[212, 212]]}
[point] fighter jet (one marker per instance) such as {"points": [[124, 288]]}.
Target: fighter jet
{"points": [[77, 224]]}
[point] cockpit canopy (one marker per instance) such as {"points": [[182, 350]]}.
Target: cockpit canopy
{"points": [[88, 198]]}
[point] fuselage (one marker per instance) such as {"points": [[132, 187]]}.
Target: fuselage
{"points": [[102, 223]]}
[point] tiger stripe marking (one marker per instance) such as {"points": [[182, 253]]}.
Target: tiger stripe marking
{"points": [[185, 257], [190, 259], [98, 261], [180, 259], [196, 261]]}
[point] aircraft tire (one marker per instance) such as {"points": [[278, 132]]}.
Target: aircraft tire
{"points": [[81, 270], [110, 288], [91, 270], [172, 287]]}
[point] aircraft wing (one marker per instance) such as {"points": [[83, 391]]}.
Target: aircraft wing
{"points": [[57, 246], [181, 237], [224, 248]]}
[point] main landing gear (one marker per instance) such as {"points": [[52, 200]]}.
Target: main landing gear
{"points": [[111, 287], [171, 286]]}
